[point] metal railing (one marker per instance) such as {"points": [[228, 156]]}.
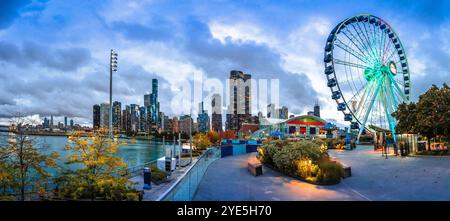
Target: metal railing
{"points": [[186, 186], [138, 169]]}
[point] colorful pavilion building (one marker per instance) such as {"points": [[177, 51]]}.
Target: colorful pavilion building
{"points": [[303, 126]]}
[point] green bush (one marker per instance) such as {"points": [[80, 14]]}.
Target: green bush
{"points": [[157, 174], [304, 159], [329, 172]]}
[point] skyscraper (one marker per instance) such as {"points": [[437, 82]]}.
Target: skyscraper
{"points": [[216, 115], [317, 109], [142, 119], [239, 110], [134, 117], [202, 119], [153, 106], [184, 124], [271, 111], [96, 117], [65, 121], [117, 115], [104, 115], [71, 123], [283, 112], [126, 119], [51, 121]]}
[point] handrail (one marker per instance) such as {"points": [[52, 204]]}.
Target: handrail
{"points": [[140, 167], [178, 181]]}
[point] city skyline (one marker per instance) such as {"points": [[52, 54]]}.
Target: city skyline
{"points": [[76, 67]]}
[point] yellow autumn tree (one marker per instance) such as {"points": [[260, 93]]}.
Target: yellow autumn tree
{"points": [[24, 164], [94, 172], [201, 141]]}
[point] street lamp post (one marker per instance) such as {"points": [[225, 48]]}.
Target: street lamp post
{"points": [[112, 68], [190, 134]]}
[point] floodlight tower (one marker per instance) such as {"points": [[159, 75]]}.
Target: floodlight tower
{"points": [[112, 68]]}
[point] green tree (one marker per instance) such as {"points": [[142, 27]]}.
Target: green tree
{"points": [[406, 116], [432, 112], [95, 171]]}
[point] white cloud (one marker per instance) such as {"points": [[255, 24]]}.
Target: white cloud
{"points": [[240, 32]]}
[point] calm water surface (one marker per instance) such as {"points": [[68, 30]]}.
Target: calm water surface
{"points": [[134, 153]]}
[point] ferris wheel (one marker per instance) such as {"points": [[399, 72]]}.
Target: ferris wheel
{"points": [[367, 71]]}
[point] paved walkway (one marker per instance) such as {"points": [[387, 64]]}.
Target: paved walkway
{"points": [[373, 178], [396, 178], [228, 179]]}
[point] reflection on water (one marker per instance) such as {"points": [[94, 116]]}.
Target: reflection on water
{"points": [[134, 153]]}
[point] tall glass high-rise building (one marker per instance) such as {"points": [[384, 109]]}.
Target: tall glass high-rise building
{"points": [[153, 106], [104, 115], [239, 109], [117, 115], [202, 119], [96, 116], [216, 115]]}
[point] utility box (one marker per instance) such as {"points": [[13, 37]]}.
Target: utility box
{"points": [[147, 178]]}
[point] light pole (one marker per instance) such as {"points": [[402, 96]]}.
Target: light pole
{"points": [[112, 68], [190, 134]]}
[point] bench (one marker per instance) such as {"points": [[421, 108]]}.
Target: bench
{"points": [[347, 171], [255, 168]]}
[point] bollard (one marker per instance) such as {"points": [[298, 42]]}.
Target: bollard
{"points": [[147, 178]]}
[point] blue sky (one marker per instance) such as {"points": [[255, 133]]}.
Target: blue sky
{"points": [[54, 54]]}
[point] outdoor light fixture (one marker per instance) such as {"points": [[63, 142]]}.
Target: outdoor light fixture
{"points": [[112, 68]]}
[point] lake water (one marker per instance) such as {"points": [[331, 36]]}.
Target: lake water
{"points": [[134, 153]]}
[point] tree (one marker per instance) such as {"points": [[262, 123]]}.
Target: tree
{"points": [[213, 136], [430, 117], [24, 163], [201, 141], [95, 172], [228, 134], [432, 110], [406, 116]]}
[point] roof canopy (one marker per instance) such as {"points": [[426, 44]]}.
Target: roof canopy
{"points": [[307, 120]]}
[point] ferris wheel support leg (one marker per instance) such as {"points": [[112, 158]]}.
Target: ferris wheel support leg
{"points": [[372, 100]]}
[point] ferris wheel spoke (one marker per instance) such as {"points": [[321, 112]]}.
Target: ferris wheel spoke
{"points": [[399, 90], [346, 63], [382, 44], [359, 46], [388, 48], [367, 45], [350, 50], [370, 41], [391, 54]]}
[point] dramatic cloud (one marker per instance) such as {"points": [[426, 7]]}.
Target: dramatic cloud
{"points": [[54, 54]]}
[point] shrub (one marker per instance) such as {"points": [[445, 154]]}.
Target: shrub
{"points": [[329, 172], [287, 158], [304, 159], [157, 174]]}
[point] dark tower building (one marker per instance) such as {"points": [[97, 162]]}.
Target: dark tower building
{"points": [[153, 106], [96, 117], [317, 109], [216, 115], [239, 110], [117, 115]]}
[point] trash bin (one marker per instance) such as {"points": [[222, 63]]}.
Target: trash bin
{"points": [[147, 178]]}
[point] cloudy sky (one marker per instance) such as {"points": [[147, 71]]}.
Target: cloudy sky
{"points": [[54, 54]]}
